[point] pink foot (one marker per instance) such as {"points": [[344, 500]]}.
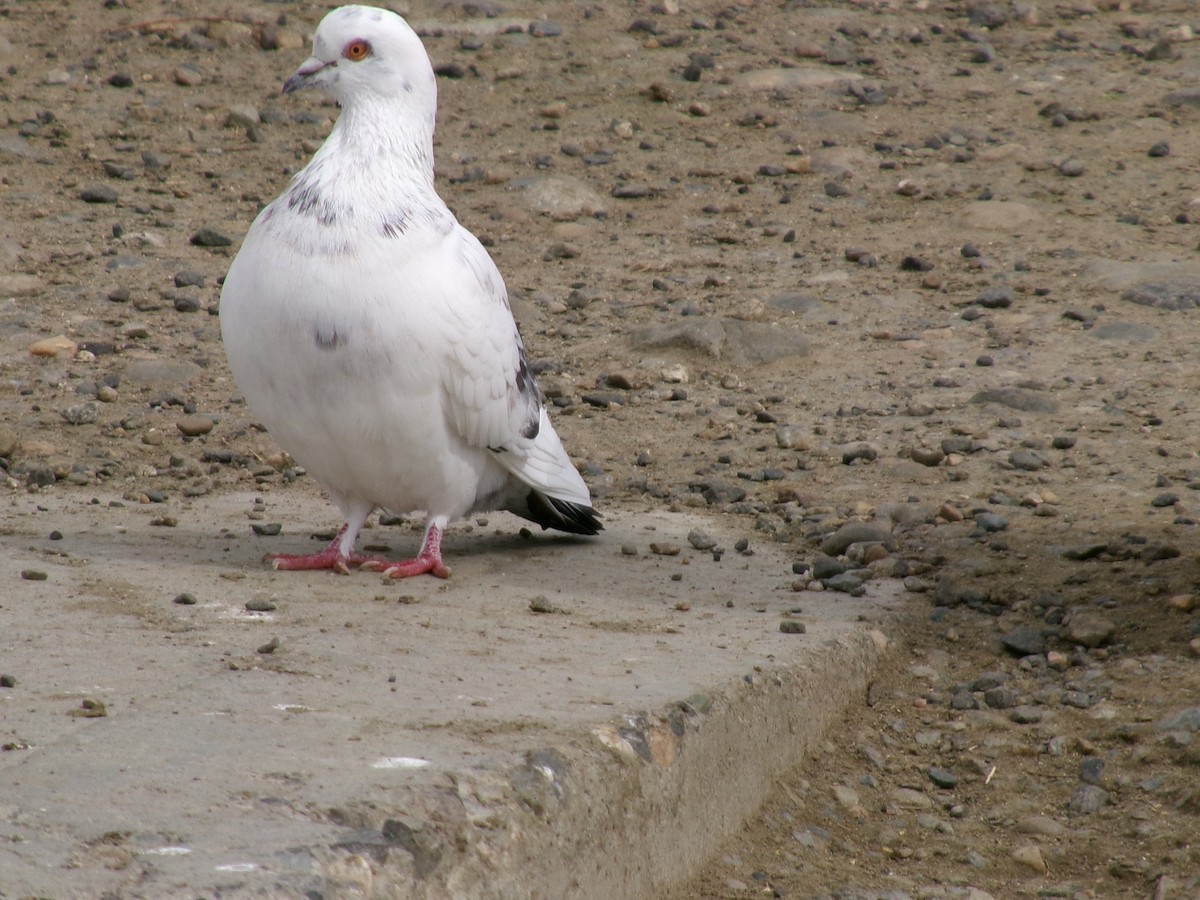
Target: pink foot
{"points": [[329, 558], [428, 561]]}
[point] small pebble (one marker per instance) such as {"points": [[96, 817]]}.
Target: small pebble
{"points": [[927, 456], [98, 193], [792, 626], [89, 709], [942, 777], [195, 426], [260, 605], [996, 298], [209, 237], [185, 599], [542, 604]]}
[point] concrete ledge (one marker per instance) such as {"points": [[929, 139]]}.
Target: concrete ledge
{"points": [[420, 739]]}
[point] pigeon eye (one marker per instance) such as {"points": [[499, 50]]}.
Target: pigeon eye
{"points": [[357, 51]]}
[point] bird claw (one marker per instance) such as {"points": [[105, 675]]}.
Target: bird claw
{"points": [[417, 566], [422, 565]]}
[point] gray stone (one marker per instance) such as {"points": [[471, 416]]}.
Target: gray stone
{"points": [[855, 533], [990, 522], [1002, 697], [82, 413], [1041, 825], [1090, 629], [716, 492], [561, 197], [1027, 460], [1024, 640], [160, 372], [741, 342], [98, 193], [825, 567], [210, 237], [909, 798], [845, 583], [241, 115], [998, 215], [1174, 297], [943, 778], [1026, 715], [846, 796], [756, 343], [996, 298], [988, 680], [964, 700], [1017, 398], [797, 78], [1133, 332], [1087, 799], [1184, 720], [1091, 770], [15, 145], [1121, 275]]}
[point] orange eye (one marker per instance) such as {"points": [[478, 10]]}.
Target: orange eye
{"points": [[357, 51]]}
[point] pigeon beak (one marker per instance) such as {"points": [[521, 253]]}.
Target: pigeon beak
{"points": [[303, 76]]}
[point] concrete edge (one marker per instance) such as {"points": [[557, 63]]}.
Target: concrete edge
{"points": [[625, 811]]}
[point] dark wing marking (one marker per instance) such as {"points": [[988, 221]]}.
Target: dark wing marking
{"points": [[527, 388]]}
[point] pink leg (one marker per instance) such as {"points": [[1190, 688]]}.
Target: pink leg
{"points": [[332, 557], [429, 560]]}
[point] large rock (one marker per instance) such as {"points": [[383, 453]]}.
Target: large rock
{"points": [[1090, 629], [783, 79], [741, 342], [160, 372], [560, 197], [998, 215], [1166, 285]]}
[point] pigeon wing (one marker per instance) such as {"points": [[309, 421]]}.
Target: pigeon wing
{"points": [[492, 397]]}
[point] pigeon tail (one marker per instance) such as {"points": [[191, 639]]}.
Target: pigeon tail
{"points": [[561, 515]]}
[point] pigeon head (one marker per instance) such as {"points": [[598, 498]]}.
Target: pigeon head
{"points": [[362, 52]]}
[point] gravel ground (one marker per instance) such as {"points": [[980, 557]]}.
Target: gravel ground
{"points": [[908, 286]]}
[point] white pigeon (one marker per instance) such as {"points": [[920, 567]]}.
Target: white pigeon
{"points": [[371, 332]]}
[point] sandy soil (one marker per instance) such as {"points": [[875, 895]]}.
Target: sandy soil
{"points": [[929, 266]]}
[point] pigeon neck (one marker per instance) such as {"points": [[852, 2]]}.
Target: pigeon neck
{"points": [[384, 132]]}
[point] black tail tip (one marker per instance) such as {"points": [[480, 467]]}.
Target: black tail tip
{"points": [[562, 515]]}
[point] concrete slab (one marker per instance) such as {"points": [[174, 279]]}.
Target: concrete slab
{"points": [[417, 739]]}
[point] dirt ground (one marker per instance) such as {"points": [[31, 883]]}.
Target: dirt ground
{"points": [[927, 266]]}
